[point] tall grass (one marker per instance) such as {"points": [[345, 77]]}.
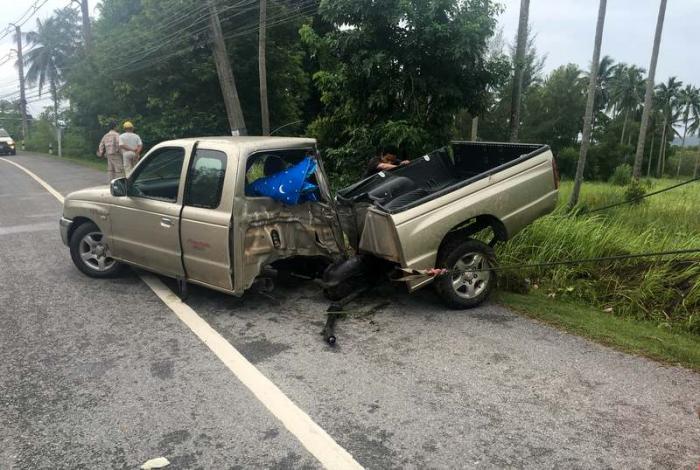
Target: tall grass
{"points": [[664, 290]]}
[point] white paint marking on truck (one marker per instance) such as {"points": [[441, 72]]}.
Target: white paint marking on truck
{"points": [[317, 441]]}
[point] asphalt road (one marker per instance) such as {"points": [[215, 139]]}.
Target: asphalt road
{"points": [[102, 374]]}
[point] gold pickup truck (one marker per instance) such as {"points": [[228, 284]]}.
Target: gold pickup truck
{"points": [[187, 211]]}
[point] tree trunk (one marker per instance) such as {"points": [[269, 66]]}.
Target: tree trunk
{"points": [[636, 173], [475, 127], [519, 68], [663, 155], [680, 154], [588, 117], [22, 97], [651, 154], [624, 128], [661, 150], [262, 69], [85, 11], [223, 68]]}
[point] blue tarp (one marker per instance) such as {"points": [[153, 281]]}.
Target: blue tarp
{"points": [[290, 186]]}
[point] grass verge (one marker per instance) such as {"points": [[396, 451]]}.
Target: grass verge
{"points": [[96, 163], [626, 334]]}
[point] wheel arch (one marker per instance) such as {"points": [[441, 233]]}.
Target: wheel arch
{"points": [[470, 227], [77, 222]]}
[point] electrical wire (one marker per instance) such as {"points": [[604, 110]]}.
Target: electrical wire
{"points": [[26, 16], [250, 28]]}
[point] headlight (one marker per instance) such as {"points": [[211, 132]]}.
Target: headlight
{"points": [[12, 144]]}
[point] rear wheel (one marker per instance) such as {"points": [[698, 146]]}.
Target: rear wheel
{"points": [[469, 283], [91, 254]]}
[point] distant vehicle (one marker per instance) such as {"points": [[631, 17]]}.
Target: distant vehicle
{"points": [[190, 210], [7, 145]]}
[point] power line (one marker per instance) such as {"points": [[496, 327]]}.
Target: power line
{"points": [[26, 16], [285, 17]]}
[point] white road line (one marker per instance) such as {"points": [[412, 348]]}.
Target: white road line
{"points": [[311, 435], [46, 185]]}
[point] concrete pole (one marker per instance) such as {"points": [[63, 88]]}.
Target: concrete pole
{"points": [[223, 68], [262, 69], [520, 47], [22, 97]]}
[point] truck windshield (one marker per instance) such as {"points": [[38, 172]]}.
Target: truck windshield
{"points": [[3, 133]]}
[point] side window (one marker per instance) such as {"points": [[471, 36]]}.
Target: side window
{"points": [[159, 176], [206, 179]]}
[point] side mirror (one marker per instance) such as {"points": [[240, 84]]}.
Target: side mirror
{"points": [[118, 187]]}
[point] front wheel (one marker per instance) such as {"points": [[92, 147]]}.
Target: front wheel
{"points": [[90, 253], [469, 281]]}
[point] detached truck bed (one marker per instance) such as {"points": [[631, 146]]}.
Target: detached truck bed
{"points": [[423, 215]]}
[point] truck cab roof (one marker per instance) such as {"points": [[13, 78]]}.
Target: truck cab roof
{"points": [[249, 143]]}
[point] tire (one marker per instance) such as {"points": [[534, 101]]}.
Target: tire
{"points": [[89, 255], [466, 289]]}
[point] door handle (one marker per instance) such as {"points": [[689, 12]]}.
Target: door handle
{"points": [[166, 222]]}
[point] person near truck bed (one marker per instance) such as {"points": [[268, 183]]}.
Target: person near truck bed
{"points": [[387, 160], [109, 149], [130, 144]]}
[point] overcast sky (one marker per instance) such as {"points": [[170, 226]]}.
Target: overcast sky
{"points": [[564, 31]]}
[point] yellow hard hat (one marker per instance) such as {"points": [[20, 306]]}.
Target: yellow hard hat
{"points": [[128, 125]]}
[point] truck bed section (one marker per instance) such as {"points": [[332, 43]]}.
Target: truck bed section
{"points": [[403, 215], [438, 173]]}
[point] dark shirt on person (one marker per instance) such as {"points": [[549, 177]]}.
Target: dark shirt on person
{"points": [[372, 166]]}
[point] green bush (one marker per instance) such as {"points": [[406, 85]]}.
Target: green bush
{"points": [[567, 160], [41, 136], [634, 192], [622, 175]]}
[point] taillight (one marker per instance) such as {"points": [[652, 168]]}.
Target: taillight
{"points": [[555, 173]]}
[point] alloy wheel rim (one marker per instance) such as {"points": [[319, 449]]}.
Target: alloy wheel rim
{"points": [[470, 280], [94, 253]]}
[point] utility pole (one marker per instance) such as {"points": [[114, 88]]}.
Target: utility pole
{"points": [[262, 69], [22, 98], [87, 33], [520, 47], [223, 68], [475, 127]]}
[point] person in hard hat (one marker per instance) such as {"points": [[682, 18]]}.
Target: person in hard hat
{"points": [[130, 145], [109, 149]]}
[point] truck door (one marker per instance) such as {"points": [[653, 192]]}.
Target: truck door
{"points": [[206, 218], [145, 223]]}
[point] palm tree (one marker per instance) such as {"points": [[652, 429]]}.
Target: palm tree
{"points": [[588, 117], [52, 45], [689, 104], [667, 95], [606, 70], [654, 120], [649, 94], [626, 91], [520, 48]]}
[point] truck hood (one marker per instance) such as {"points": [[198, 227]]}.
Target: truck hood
{"points": [[7, 140], [94, 194]]}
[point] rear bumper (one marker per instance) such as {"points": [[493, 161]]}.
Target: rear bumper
{"points": [[65, 225]]}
